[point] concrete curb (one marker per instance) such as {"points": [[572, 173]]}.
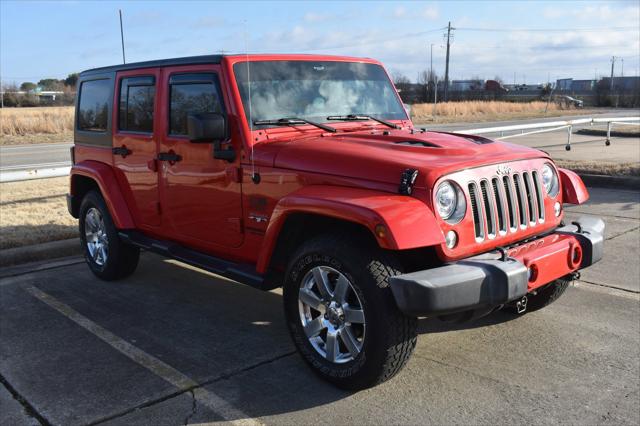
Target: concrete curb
{"points": [[50, 250], [604, 181]]}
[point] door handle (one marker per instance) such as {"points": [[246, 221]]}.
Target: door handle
{"points": [[170, 156], [121, 150]]}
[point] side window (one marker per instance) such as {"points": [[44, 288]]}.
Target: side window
{"points": [[192, 93], [93, 107], [137, 96]]}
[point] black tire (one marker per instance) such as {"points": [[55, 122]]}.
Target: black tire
{"points": [[544, 296], [122, 259], [390, 335]]}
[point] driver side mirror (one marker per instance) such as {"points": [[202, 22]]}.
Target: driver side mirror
{"points": [[210, 127]]}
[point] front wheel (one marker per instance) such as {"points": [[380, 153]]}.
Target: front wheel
{"points": [[342, 315]]}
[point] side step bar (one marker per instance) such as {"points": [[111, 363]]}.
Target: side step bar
{"points": [[242, 273]]}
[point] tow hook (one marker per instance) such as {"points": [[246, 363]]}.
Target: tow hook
{"points": [[574, 276], [521, 305]]}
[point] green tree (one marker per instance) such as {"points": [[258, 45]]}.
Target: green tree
{"points": [[27, 86], [51, 84], [71, 80]]}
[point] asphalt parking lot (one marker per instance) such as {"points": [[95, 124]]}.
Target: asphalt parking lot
{"points": [[175, 345]]}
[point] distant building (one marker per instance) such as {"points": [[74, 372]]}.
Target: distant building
{"points": [[48, 95], [631, 83], [571, 85], [464, 85], [523, 87]]}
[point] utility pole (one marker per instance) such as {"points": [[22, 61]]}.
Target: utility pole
{"points": [[122, 36], [431, 66], [613, 61], [622, 67], [435, 95], [446, 69], [430, 71]]}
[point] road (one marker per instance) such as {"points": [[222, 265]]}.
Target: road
{"points": [[21, 157], [175, 345], [57, 155]]}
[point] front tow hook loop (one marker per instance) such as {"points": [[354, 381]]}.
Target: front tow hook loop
{"points": [[521, 305]]}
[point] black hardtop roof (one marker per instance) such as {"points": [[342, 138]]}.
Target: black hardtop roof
{"points": [[188, 60]]}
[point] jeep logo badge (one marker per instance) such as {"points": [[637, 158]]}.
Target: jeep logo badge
{"points": [[503, 170]]}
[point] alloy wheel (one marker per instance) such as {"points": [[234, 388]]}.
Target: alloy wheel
{"points": [[332, 314], [96, 236]]}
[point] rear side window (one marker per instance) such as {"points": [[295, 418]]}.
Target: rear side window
{"points": [[137, 97], [93, 108], [192, 94]]}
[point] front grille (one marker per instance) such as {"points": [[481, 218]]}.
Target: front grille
{"points": [[506, 204]]}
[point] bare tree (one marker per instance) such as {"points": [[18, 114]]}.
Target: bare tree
{"points": [[427, 82]]}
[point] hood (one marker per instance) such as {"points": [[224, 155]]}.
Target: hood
{"points": [[383, 155]]}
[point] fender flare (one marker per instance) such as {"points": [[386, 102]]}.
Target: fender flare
{"points": [[573, 189], [102, 174], [408, 222]]}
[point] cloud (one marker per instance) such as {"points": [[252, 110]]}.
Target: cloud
{"points": [[313, 17], [629, 15], [209, 22], [400, 12], [429, 12]]}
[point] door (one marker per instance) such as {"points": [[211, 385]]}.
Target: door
{"points": [[135, 144], [200, 196]]}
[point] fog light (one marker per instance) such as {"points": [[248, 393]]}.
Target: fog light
{"points": [[557, 208], [451, 239]]}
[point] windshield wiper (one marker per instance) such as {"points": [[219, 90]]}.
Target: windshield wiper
{"points": [[358, 117], [292, 121]]}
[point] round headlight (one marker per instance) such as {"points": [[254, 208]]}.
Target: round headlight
{"points": [[449, 202], [550, 179], [446, 200]]}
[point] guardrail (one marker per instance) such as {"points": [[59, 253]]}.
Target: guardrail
{"points": [[553, 126], [29, 174]]}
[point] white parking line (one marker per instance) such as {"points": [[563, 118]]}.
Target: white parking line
{"points": [[214, 402]]}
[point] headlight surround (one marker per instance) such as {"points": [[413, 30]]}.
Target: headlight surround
{"points": [[550, 179], [450, 202]]}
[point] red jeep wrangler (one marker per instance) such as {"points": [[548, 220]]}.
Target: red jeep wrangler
{"points": [[305, 172]]}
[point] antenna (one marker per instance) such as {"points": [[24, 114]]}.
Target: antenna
{"points": [[122, 36], [254, 176]]}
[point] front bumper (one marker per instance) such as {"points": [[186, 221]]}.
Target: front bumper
{"points": [[486, 281]]}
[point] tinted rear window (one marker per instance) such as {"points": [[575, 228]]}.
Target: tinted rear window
{"points": [[192, 94], [137, 97], [93, 108]]}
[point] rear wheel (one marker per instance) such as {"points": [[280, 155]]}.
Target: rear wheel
{"points": [[342, 315], [107, 256]]}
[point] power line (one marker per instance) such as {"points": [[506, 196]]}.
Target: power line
{"points": [[503, 30], [375, 41]]}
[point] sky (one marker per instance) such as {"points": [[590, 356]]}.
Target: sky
{"points": [[531, 42]]}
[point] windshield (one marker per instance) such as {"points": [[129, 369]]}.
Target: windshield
{"points": [[315, 90]]}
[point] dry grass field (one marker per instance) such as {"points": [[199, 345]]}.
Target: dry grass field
{"points": [[36, 125], [55, 124], [35, 211], [486, 111]]}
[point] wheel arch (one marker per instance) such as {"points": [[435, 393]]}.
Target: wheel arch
{"points": [[94, 175], [392, 222]]}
